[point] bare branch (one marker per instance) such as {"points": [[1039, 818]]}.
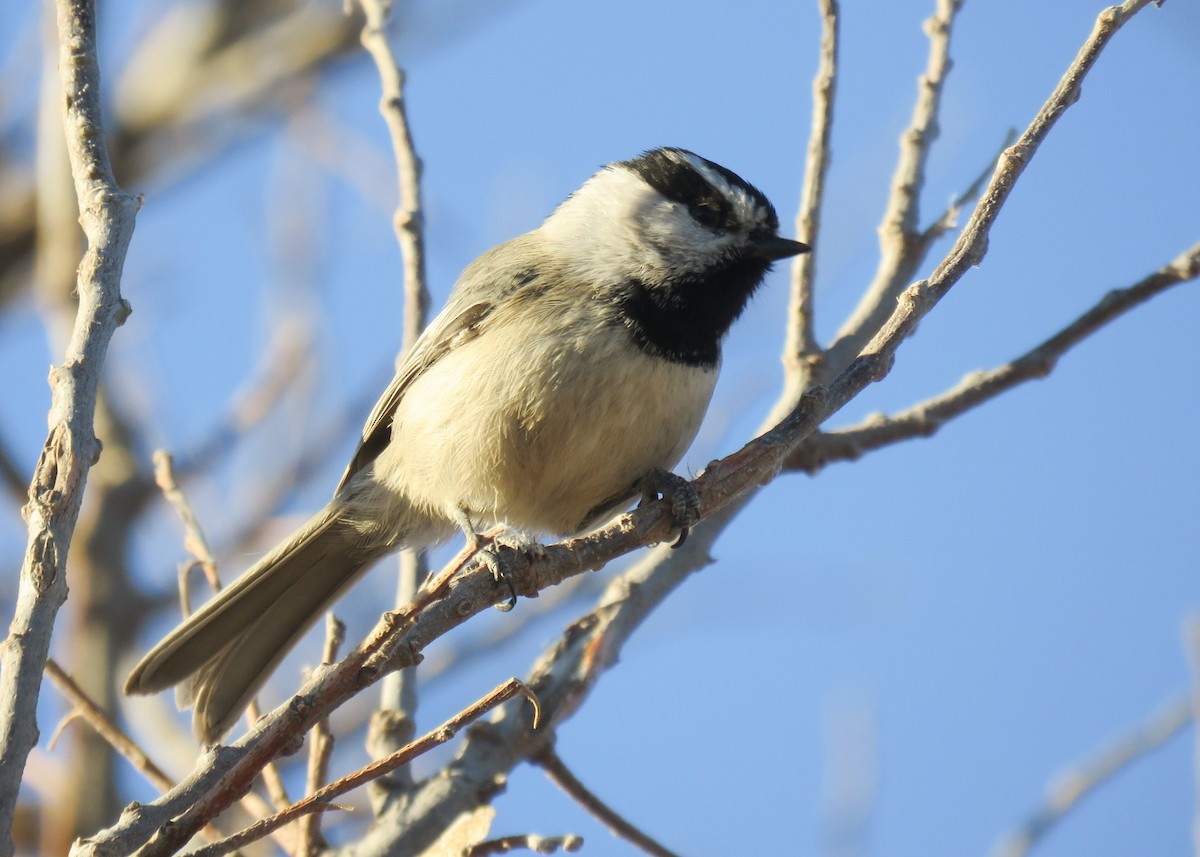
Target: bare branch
{"points": [[802, 348], [899, 239], [104, 725], [563, 676], [926, 418], [409, 218], [394, 723], [320, 799], [194, 541], [561, 776], [107, 214], [197, 545], [949, 218], [310, 841], [1073, 786], [87, 710]]}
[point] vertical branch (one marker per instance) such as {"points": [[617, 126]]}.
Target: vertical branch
{"points": [[408, 220], [802, 351], [393, 725], [310, 840], [107, 215]]}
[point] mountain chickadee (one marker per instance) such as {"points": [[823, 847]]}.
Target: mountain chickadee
{"points": [[569, 365]]}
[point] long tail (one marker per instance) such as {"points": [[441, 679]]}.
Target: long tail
{"points": [[227, 649]]}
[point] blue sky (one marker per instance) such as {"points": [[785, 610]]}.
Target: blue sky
{"points": [[995, 603]]}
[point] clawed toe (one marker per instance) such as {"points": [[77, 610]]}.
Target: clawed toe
{"points": [[498, 549], [685, 502]]}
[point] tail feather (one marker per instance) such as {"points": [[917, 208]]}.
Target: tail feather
{"points": [[227, 649]]}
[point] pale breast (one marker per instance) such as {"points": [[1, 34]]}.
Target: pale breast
{"points": [[538, 431]]}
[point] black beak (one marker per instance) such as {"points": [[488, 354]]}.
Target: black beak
{"points": [[773, 247]]}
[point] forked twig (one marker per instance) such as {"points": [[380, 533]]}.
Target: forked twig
{"points": [[196, 544], [926, 418]]}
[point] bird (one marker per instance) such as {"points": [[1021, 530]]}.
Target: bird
{"points": [[570, 366]]}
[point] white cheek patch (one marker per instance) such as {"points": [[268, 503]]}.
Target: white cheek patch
{"points": [[681, 242]]}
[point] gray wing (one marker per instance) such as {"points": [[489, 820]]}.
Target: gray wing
{"points": [[483, 286]]}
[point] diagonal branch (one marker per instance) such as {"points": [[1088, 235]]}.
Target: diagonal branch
{"points": [[548, 760], [99, 720], [1073, 786]]}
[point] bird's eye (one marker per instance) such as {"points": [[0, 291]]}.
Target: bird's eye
{"points": [[708, 216]]}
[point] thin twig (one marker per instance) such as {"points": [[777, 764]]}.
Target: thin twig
{"points": [[107, 215], [86, 709], [409, 217], [99, 720], [321, 799], [949, 218], [802, 349], [196, 544], [926, 418], [310, 840], [1074, 785], [561, 776], [194, 541], [395, 722]]}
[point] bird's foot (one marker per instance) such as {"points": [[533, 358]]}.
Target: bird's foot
{"points": [[502, 550], [685, 502]]}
